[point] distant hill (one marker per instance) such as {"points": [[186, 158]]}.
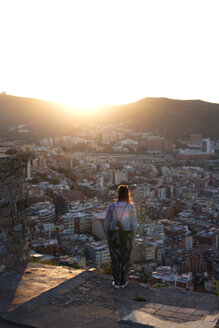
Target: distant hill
{"points": [[37, 114], [168, 117]]}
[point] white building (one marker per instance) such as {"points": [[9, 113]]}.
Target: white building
{"points": [[49, 228], [98, 252], [45, 210], [68, 220], [206, 145], [151, 229], [188, 242], [120, 176], [183, 281]]}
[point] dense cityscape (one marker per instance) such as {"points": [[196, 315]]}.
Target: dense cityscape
{"points": [[57, 191]]}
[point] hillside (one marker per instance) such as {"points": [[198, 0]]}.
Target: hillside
{"points": [[168, 117], [37, 114]]}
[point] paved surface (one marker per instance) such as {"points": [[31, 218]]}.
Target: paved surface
{"points": [[27, 282], [88, 299], [178, 309]]}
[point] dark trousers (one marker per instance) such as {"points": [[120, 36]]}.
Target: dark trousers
{"points": [[120, 247]]}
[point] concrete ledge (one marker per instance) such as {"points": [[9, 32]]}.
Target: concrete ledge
{"points": [[88, 300]]}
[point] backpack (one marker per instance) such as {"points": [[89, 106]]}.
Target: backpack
{"points": [[118, 222]]}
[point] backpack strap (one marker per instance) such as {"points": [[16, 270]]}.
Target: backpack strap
{"points": [[119, 219]]}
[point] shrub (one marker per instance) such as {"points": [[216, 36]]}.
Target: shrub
{"points": [[106, 268]]}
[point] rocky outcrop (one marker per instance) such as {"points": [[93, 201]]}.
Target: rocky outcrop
{"points": [[14, 236]]}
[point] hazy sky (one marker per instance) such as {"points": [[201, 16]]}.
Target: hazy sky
{"points": [[93, 52]]}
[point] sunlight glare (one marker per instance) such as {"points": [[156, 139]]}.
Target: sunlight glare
{"points": [[92, 53]]}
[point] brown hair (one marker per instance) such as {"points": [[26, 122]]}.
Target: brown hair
{"points": [[124, 193]]}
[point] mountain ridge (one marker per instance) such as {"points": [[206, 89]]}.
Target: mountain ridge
{"points": [[170, 117], [164, 116]]}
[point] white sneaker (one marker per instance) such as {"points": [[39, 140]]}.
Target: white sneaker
{"points": [[115, 285], [124, 285]]}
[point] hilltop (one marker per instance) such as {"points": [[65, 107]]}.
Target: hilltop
{"points": [[167, 117]]}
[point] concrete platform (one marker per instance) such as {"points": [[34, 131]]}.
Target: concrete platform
{"points": [[29, 281], [88, 299]]}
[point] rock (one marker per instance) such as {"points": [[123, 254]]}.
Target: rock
{"points": [[13, 228]]}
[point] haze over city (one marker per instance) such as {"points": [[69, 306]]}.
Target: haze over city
{"points": [[93, 53]]}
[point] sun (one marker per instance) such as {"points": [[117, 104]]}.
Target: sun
{"points": [[83, 106]]}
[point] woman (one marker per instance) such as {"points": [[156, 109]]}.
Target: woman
{"points": [[120, 227]]}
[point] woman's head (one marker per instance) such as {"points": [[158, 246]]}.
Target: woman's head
{"points": [[124, 193]]}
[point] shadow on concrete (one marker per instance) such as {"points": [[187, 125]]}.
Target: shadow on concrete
{"points": [[9, 283]]}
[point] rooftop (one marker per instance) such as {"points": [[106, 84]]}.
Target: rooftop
{"points": [[3, 155], [45, 296]]}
